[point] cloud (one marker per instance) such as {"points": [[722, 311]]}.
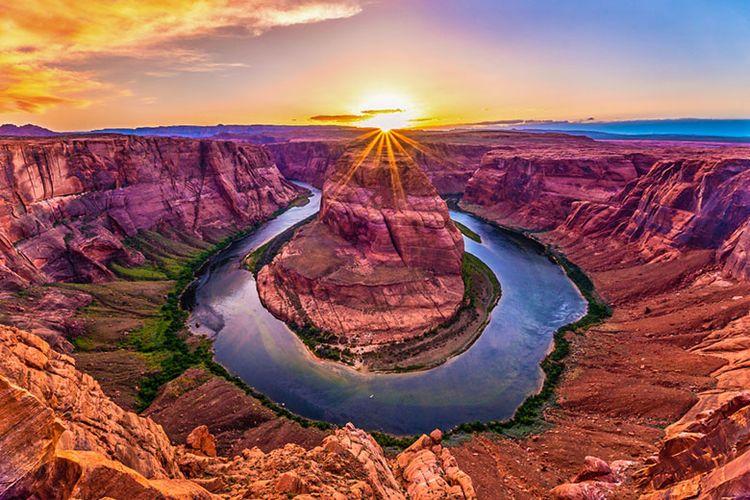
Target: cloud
{"points": [[339, 118], [366, 114], [33, 88], [381, 111], [43, 44]]}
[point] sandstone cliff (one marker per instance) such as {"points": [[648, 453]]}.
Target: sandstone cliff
{"points": [[306, 161], [679, 205], [537, 190], [67, 204], [381, 263]]}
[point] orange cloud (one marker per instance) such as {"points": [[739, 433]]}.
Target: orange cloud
{"points": [[366, 115], [41, 42]]}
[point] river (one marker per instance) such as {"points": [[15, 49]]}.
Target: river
{"points": [[486, 382]]}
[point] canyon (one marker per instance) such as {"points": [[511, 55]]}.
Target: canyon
{"points": [[653, 402]]}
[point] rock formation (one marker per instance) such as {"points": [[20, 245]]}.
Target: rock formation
{"points": [[382, 262], [348, 464], [92, 421], [67, 204], [60, 437]]}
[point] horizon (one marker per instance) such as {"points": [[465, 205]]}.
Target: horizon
{"points": [[505, 124], [411, 64]]}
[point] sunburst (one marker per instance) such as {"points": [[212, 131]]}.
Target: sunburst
{"points": [[381, 147]]}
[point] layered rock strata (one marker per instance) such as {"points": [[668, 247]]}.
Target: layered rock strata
{"points": [[67, 204], [382, 262], [538, 189], [679, 205]]}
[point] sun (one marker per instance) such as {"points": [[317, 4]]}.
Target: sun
{"points": [[387, 111], [387, 122]]}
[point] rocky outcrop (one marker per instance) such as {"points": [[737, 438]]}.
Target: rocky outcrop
{"points": [[348, 464], [92, 421], [67, 204], [428, 470], [201, 441], [705, 453], [60, 437], [382, 262], [597, 480]]}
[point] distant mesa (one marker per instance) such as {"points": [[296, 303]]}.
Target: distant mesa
{"points": [[382, 261], [28, 130]]}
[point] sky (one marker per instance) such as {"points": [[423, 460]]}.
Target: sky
{"points": [[81, 65]]}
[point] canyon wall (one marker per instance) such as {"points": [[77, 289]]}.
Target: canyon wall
{"points": [[448, 166], [537, 190], [382, 262], [678, 206], [306, 161], [663, 231], [67, 204]]}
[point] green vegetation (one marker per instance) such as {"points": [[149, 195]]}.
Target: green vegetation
{"points": [[472, 265], [390, 441], [319, 342], [142, 273], [166, 333], [468, 232]]}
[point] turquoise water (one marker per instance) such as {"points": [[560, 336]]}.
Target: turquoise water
{"points": [[488, 381]]}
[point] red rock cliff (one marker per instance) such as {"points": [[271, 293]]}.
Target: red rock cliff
{"points": [[679, 205], [536, 189], [381, 262], [66, 204]]}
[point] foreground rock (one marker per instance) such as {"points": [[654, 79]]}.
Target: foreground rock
{"points": [[60, 437], [381, 263], [92, 421], [347, 465]]}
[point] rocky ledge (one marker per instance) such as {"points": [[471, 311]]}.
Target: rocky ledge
{"points": [[381, 263]]}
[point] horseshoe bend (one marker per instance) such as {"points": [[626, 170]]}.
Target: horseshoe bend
{"points": [[441, 250], [380, 264]]}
